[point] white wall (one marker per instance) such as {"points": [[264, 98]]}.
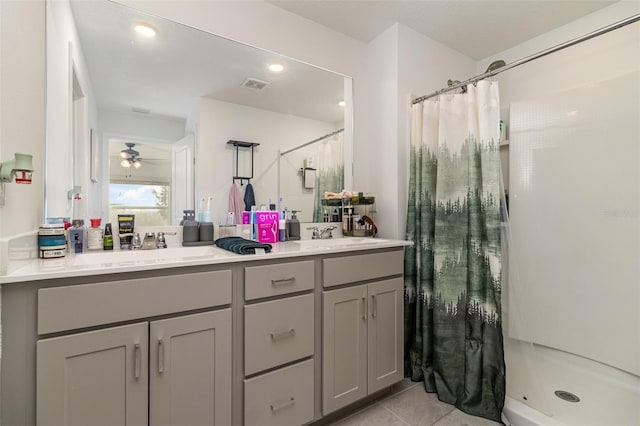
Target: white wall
{"points": [[609, 395], [22, 47], [221, 121]]}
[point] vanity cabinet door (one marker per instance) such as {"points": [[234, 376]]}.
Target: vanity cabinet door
{"points": [[344, 352], [385, 333], [190, 370], [94, 378]]}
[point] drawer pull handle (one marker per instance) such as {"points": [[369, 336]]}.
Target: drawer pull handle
{"points": [[283, 334], [160, 356], [291, 401], [283, 281], [374, 308], [137, 364], [364, 308]]}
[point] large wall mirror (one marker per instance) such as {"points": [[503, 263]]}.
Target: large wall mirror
{"points": [[139, 120]]}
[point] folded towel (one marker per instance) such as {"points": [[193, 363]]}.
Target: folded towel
{"points": [[241, 245]]}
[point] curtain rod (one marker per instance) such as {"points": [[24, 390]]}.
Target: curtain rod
{"points": [[540, 54], [313, 141]]}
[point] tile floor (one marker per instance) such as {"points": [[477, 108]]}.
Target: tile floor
{"points": [[410, 405]]}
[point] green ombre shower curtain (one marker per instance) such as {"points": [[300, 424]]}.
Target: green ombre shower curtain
{"points": [[330, 172], [453, 321]]}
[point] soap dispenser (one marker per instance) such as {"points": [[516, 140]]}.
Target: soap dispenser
{"points": [[294, 226]]}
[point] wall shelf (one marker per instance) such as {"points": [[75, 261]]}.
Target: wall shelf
{"points": [[238, 145]]}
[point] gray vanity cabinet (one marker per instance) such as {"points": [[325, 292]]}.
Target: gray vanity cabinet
{"points": [[102, 377], [362, 341], [344, 354], [94, 378], [385, 334], [166, 371], [189, 370]]}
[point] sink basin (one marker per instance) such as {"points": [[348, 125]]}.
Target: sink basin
{"points": [[338, 242], [134, 256]]}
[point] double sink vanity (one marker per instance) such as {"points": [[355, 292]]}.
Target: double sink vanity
{"points": [[200, 335]]}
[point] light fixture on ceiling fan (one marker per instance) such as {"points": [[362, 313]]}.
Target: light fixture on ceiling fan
{"points": [[130, 157]]}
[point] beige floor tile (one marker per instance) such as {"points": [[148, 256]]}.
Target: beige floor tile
{"points": [[458, 418], [405, 384], [416, 407], [374, 415]]}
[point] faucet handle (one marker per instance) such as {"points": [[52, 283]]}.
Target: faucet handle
{"points": [[160, 241], [316, 232], [135, 241]]}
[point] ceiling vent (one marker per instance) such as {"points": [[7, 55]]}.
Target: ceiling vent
{"points": [[141, 110], [254, 83]]}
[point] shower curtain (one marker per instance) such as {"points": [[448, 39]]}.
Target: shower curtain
{"points": [[453, 322], [330, 171]]}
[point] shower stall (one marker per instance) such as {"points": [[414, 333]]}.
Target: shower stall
{"points": [[571, 227], [572, 243]]}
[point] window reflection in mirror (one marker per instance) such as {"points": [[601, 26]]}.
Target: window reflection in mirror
{"points": [[187, 89], [140, 181]]}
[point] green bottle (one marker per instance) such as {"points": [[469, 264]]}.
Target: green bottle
{"points": [[107, 241]]}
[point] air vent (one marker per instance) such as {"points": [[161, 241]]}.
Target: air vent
{"points": [[141, 110], [253, 83]]}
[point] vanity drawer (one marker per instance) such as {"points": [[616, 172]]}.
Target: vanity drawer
{"points": [[273, 280], [362, 267], [281, 398], [277, 332], [87, 305]]}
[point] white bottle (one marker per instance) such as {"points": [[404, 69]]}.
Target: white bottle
{"points": [[95, 235]]}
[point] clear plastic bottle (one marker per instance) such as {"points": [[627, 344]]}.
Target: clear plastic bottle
{"points": [[95, 240]]}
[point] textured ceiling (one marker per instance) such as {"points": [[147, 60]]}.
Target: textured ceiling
{"points": [[477, 29]]}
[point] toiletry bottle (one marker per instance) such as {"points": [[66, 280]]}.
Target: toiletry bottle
{"points": [[76, 236], [287, 225], [107, 240], [95, 237], [282, 225], [252, 222], [294, 226]]}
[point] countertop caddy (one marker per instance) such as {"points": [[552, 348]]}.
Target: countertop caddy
{"points": [[201, 335]]}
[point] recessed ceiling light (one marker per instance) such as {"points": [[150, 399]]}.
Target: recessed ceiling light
{"points": [[276, 68], [145, 30], [341, 103]]}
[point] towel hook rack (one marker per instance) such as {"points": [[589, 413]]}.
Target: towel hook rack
{"points": [[238, 145]]}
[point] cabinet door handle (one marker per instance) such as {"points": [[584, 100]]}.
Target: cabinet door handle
{"points": [[283, 334], [364, 308], [137, 364], [283, 281], [291, 401], [160, 356], [374, 307]]}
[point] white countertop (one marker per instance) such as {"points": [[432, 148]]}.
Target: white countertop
{"points": [[105, 262]]}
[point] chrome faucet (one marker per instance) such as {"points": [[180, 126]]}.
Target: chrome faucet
{"points": [[160, 241], [328, 229], [321, 234], [316, 232], [135, 241], [149, 241]]}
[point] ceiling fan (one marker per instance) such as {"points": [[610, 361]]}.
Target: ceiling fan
{"points": [[130, 157]]}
